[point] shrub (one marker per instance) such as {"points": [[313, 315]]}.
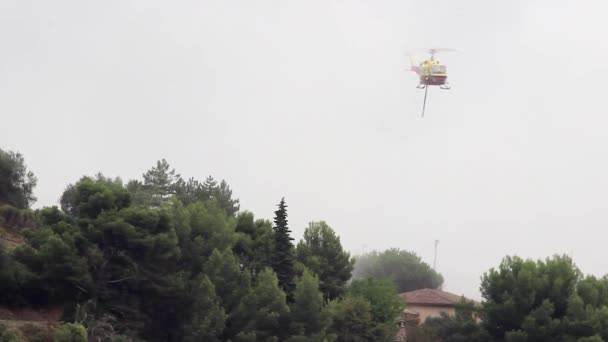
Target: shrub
{"points": [[70, 332], [7, 334], [35, 333]]}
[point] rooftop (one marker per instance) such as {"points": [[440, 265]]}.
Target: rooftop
{"points": [[430, 297]]}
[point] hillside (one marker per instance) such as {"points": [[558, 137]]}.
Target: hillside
{"points": [[10, 238]]}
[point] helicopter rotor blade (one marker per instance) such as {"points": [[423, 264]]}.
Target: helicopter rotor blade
{"points": [[436, 50]]}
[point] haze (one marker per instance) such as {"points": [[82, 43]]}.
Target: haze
{"points": [[310, 100]]}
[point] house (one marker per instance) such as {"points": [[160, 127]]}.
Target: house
{"points": [[425, 303], [408, 318], [431, 303]]}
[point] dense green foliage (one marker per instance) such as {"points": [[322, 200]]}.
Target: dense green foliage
{"points": [[70, 332], [321, 251], [528, 300], [309, 320], [461, 327], [405, 269], [385, 304], [162, 183], [16, 182], [545, 300], [162, 259]]}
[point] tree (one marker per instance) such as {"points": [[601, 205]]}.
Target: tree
{"points": [[208, 317], [593, 291], [223, 195], [385, 304], [17, 183], [159, 184], [263, 310], [307, 315], [253, 245], [210, 185], [283, 251], [92, 195], [191, 192], [231, 285], [9, 285], [321, 251], [405, 269], [529, 297], [209, 228], [352, 320]]}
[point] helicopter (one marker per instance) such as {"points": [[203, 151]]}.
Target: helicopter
{"points": [[431, 73]]}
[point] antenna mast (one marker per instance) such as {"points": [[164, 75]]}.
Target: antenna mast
{"points": [[435, 258]]}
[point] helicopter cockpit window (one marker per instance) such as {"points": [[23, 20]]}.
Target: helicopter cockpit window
{"points": [[439, 69]]}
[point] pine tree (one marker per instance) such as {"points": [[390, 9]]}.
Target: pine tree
{"points": [[208, 316], [231, 286], [262, 311], [307, 315], [321, 251], [283, 251], [254, 242], [161, 182], [231, 283], [210, 186], [223, 195], [352, 319]]}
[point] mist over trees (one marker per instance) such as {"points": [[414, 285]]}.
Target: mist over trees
{"points": [[406, 270]]}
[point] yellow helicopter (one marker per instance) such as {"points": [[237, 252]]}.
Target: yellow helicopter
{"points": [[431, 73]]}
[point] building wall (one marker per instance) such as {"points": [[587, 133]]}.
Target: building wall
{"points": [[431, 311]]}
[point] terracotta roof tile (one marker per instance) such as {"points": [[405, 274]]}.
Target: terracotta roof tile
{"points": [[430, 297]]}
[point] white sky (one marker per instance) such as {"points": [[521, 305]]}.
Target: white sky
{"points": [[310, 100]]}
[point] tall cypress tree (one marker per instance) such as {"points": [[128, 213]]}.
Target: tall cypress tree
{"points": [[283, 251]]}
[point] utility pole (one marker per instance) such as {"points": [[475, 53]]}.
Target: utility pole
{"points": [[435, 258]]}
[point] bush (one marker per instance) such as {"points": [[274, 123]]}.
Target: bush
{"points": [[12, 217], [35, 333], [516, 336], [7, 334], [9, 213], [595, 338], [70, 332]]}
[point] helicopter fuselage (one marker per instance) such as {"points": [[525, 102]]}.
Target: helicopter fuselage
{"points": [[431, 72], [433, 80]]}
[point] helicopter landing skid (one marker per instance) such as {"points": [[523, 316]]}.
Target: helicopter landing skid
{"points": [[445, 87], [421, 86]]}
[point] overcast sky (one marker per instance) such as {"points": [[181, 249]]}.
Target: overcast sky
{"points": [[310, 100]]}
